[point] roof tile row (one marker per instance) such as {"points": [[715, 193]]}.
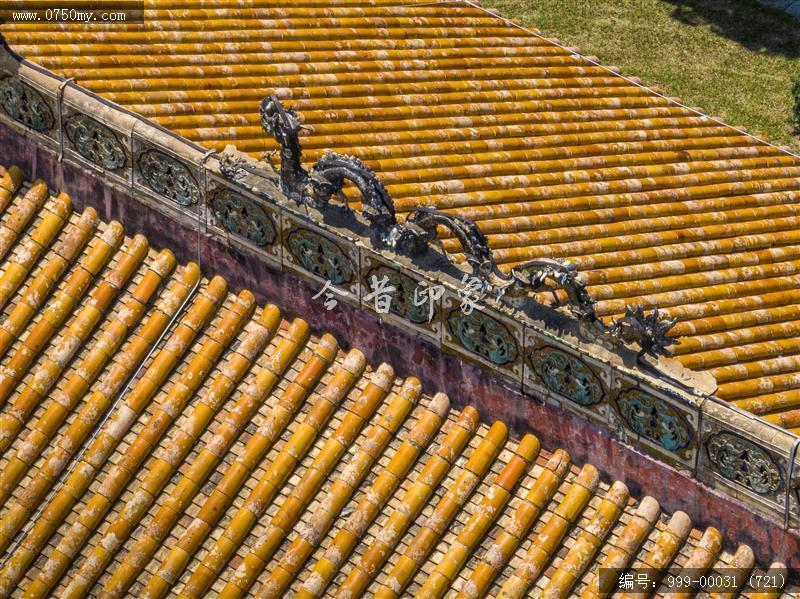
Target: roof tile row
{"points": [[165, 437], [552, 154]]}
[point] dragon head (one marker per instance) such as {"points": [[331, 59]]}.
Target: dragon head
{"points": [[278, 121], [648, 331]]}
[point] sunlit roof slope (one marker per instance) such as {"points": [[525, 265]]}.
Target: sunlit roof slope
{"points": [[551, 154], [163, 436]]}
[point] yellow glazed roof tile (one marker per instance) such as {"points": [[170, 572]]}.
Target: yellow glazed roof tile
{"points": [[551, 154], [248, 456]]}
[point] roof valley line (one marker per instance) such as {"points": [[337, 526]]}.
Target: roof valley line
{"points": [[664, 410]]}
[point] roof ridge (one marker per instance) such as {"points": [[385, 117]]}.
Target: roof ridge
{"points": [[596, 128]]}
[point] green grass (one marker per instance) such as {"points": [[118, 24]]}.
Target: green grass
{"points": [[734, 59]]}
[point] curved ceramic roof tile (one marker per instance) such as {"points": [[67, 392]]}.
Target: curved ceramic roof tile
{"points": [[243, 449], [249, 456], [552, 154]]}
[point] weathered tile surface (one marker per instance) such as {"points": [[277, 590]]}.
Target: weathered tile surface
{"points": [[552, 155], [248, 455]]}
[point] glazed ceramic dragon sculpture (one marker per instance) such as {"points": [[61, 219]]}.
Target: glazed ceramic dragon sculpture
{"points": [[317, 186]]}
